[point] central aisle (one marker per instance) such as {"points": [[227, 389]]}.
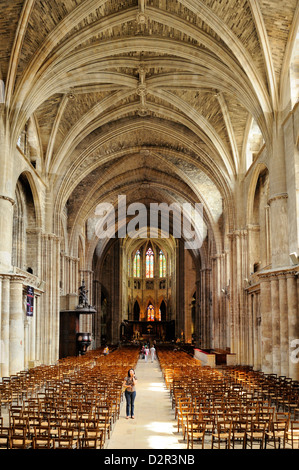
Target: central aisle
{"points": [[154, 426]]}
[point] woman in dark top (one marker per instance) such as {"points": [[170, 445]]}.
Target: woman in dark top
{"points": [[130, 392]]}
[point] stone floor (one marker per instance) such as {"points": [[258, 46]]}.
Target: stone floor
{"points": [[154, 426]]}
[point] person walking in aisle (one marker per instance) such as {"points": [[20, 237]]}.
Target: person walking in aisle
{"points": [[146, 353], [153, 353], [130, 392]]}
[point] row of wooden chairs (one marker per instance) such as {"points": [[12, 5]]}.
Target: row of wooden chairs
{"points": [[232, 432], [222, 405], [73, 404], [48, 438]]}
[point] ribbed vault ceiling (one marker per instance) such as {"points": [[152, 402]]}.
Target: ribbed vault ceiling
{"points": [[151, 94]]}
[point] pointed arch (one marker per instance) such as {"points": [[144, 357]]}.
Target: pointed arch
{"points": [[163, 311], [136, 311]]}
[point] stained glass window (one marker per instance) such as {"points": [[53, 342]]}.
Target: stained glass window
{"points": [[150, 313], [149, 263], [136, 264], [162, 266]]}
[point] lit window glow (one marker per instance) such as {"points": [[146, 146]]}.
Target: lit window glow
{"points": [[149, 263]]}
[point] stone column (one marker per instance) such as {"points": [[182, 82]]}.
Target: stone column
{"points": [[32, 335], [37, 346], [26, 342], [275, 325], [6, 191], [279, 230], [216, 295], [205, 314], [278, 197], [50, 319], [198, 323], [5, 307], [1, 341], [256, 332], [250, 315], [6, 225], [97, 289], [55, 332], [293, 322], [290, 128], [266, 326], [238, 272], [284, 328], [180, 288], [16, 326]]}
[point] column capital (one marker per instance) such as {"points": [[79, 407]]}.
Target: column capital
{"points": [[276, 197], [238, 233]]}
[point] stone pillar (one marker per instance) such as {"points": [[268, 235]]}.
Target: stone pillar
{"points": [[290, 128], [49, 327], [97, 290], [293, 314], [256, 331], [26, 342], [180, 288], [33, 334], [275, 311], [250, 315], [238, 272], [216, 296], [6, 225], [38, 317], [6, 192], [16, 326], [197, 323], [5, 307], [205, 313], [279, 230], [113, 323], [266, 326], [284, 328], [1, 341]]}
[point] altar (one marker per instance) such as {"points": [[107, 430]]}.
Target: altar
{"points": [[147, 330]]}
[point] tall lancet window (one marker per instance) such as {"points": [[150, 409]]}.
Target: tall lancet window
{"points": [[136, 264], [150, 313], [149, 263], [162, 264]]}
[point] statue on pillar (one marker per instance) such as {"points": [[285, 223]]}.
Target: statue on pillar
{"points": [[83, 305], [83, 302]]}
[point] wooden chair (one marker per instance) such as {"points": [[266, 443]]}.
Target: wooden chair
{"points": [[92, 439], [209, 419], [45, 442], [238, 434], [184, 409], [19, 438], [256, 434], [4, 437], [292, 435], [104, 423], [276, 434], [66, 443], [195, 430], [222, 434]]}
